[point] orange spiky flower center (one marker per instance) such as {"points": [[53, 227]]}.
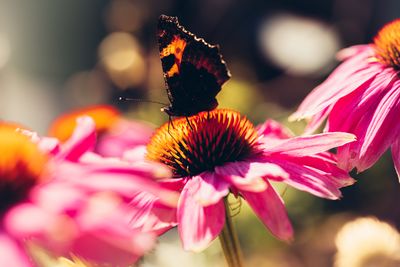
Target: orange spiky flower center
{"points": [[201, 142], [103, 115], [21, 166], [387, 43]]}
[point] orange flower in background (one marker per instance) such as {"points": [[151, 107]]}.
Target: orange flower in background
{"points": [[103, 115]]}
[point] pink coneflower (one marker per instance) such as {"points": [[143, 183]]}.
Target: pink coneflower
{"points": [[214, 153], [64, 199], [362, 96], [115, 134]]}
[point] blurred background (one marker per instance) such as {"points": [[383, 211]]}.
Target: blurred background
{"points": [[56, 56]]}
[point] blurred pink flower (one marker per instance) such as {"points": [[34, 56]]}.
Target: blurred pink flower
{"points": [[217, 152], [122, 136], [115, 135], [68, 200], [362, 96]]}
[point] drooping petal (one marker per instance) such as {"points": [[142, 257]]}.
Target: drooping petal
{"points": [[122, 179], [312, 144], [325, 164], [269, 207], [123, 135], [348, 154], [112, 248], [148, 215], [157, 170], [375, 131], [382, 129], [105, 234], [207, 188], [58, 197], [306, 179], [198, 225], [11, 253], [28, 220], [360, 102], [82, 140], [349, 76], [246, 175]]}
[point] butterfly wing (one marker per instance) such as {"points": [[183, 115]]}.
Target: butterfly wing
{"points": [[194, 70]]}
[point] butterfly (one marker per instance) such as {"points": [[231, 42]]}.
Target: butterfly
{"points": [[194, 70]]}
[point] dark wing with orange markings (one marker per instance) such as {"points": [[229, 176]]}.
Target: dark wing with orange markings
{"points": [[194, 70]]}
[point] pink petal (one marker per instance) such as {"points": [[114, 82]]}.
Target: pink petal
{"points": [[148, 215], [49, 145], [348, 154], [198, 225], [82, 139], [105, 233], [306, 179], [104, 225], [11, 253], [135, 154], [315, 122], [382, 130], [269, 207], [273, 129], [350, 75], [123, 180], [207, 188], [247, 175], [58, 197], [17, 224], [351, 51], [312, 144], [359, 102], [110, 249], [149, 168], [122, 136], [326, 165], [396, 156]]}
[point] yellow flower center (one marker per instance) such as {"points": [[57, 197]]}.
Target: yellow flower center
{"points": [[21, 166], [387, 43], [104, 116], [191, 145]]}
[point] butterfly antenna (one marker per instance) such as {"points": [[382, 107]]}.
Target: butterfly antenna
{"points": [[140, 100]]}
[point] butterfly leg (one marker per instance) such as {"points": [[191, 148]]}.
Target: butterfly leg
{"points": [[190, 125], [170, 122]]}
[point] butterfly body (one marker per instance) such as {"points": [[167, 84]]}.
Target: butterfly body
{"points": [[194, 70]]}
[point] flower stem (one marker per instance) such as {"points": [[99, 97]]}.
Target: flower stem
{"points": [[229, 240]]}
